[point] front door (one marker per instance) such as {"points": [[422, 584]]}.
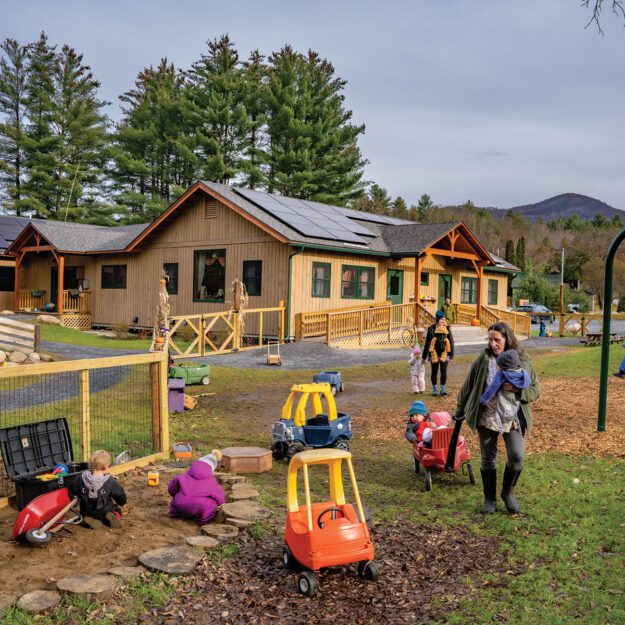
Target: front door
{"points": [[395, 287], [444, 288]]}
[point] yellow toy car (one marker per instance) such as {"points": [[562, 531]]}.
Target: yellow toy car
{"points": [[325, 533], [296, 429]]}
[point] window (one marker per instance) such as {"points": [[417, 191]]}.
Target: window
{"points": [[321, 279], [171, 271], [7, 278], [357, 282], [468, 291], [425, 278], [209, 275], [493, 292], [113, 276], [252, 276]]}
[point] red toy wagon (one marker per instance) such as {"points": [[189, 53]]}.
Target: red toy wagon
{"points": [[439, 458]]}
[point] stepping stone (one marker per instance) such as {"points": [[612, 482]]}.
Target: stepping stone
{"points": [[38, 601], [229, 478], [246, 509], [7, 599], [92, 587], [126, 571], [240, 523], [205, 542], [220, 532], [180, 560], [243, 493], [240, 485]]}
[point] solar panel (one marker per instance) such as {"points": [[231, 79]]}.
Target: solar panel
{"points": [[312, 219]]}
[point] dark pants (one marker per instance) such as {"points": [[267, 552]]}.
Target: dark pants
{"points": [[515, 448], [443, 367]]}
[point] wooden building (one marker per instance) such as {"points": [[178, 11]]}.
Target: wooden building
{"points": [[312, 256]]}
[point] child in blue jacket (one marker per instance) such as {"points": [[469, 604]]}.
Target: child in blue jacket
{"points": [[507, 402]]}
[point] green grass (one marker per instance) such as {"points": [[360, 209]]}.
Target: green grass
{"points": [[576, 362], [58, 334]]}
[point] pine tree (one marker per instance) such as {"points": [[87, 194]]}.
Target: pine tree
{"points": [[520, 254], [510, 255], [80, 129], [13, 72], [312, 151], [40, 140], [218, 90], [399, 208], [423, 207], [154, 148]]}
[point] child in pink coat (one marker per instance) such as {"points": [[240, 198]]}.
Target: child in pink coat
{"points": [[197, 493], [417, 370]]}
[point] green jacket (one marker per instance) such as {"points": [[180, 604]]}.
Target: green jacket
{"points": [[450, 312], [468, 405]]}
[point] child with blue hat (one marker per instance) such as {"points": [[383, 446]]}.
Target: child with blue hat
{"points": [[418, 422]]}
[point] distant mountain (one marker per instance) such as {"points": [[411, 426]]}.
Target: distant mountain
{"points": [[565, 205]]}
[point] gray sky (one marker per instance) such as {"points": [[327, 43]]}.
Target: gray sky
{"points": [[500, 102]]}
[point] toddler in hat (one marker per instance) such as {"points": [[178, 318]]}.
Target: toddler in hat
{"points": [[419, 427], [417, 370], [506, 403], [197, 494]]}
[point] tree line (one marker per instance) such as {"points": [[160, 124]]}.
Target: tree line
{"points": [[278, 124]]}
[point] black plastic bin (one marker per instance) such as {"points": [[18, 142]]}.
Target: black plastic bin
{"points": [[34, 448]]}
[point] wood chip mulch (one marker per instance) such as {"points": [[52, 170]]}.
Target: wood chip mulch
{"points": [[565, 419], [423, 571]]}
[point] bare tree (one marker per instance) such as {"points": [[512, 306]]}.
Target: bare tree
{"points": [[596, 6]]}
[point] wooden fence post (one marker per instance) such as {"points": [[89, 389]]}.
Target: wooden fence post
{"points": [[281, 321], [37, 341], [361, 321], [202, 325], [155, 385], [85, 415], [164, 405]]}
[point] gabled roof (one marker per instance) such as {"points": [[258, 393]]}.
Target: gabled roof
{"points": [[10, 227], [504, 265], [414, 238]]}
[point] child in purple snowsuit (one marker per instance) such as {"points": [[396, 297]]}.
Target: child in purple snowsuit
{"points": [[197, 493]]}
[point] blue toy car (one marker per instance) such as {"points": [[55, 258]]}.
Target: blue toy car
{"points": [[295, 431], [333, 378]]}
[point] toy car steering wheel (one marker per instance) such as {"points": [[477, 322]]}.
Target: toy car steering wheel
{"points": [[333, 510]]}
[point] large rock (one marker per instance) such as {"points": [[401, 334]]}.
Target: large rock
{"points": [[34, 358], [243, 493], [220, 532], [126, 571], [180, 560], [92, 587], [18, 357], [46, 358], [246, 509], [7, 599], [38, 601], [205, 542], [50, 319], [3, 356], [228, 478]]}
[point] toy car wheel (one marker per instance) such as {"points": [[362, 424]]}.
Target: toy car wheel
{"points": [[341, 443], [279, 450], [293, 449], [288, 559], [368, 570], [427, 479], [307, 583], [471, 473], [342, 387], [206, 380], [333, 390], [37, 537], [417, 466]]}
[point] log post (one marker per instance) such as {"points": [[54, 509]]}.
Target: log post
{"points": [[60, 286], [85, 415], [156, 406], [281, 321]]}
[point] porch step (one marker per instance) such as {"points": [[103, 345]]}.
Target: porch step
{"points": [[469, 335]]}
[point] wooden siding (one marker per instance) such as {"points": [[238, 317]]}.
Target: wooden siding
{"points": [[6, 297]]}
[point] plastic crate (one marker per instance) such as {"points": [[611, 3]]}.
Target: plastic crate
{"points": [[32, 449]]}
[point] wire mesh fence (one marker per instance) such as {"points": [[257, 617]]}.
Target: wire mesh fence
{"points": [[117, 404]]}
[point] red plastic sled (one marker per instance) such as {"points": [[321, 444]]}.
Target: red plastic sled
{"points": [[44, 515]]}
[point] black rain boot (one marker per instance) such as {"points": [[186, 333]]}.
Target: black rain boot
{"points": [[489, 483], [510, 478]]}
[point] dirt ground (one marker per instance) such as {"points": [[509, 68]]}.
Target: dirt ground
{"points": [[378, 409]]}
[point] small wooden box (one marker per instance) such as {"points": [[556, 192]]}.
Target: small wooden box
{"points": [[246, 459]]}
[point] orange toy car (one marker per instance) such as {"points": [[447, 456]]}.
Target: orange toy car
{"points": [[328, 533]]}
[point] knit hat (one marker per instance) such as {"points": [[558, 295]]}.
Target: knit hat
{"points": [[508, 360], [212, 459], [439, 315], [416, 351], [418, 407]]}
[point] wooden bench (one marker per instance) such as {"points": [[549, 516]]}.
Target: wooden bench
{"points": [[596, 338]]}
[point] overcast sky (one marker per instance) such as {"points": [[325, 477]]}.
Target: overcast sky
{"points": [[504, 103]]}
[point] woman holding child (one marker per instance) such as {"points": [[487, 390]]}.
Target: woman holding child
{"points": [[504, 410]]}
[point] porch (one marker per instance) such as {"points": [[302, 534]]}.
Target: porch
{"points": [[74, 301]]}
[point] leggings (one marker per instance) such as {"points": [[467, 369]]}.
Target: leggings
{"points": [[515, 448], [443, 368]]}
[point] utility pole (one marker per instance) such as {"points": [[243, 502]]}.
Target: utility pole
{"points": [[562, 283]]}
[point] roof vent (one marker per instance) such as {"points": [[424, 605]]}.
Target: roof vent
{"points": [[210, 209]]}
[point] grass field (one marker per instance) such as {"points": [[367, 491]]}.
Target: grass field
{"points": [[565, 552]]}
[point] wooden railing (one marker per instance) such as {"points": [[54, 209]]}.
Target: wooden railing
{"points": [[224, 332], [519, 322], [466, 313], [488, 317], [20, 336], [32, 300], [580, 328], [80, 303], [376, 319]]}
